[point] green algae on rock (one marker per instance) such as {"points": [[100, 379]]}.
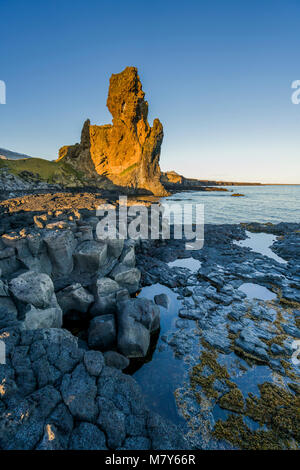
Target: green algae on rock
{"points": [[208, 359], [232, 400], [235, 431], [276, 409]]}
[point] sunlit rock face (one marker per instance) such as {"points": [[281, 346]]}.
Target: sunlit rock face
{"points": [[126, 152]]}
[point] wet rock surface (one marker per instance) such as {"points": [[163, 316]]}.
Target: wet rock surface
{"points": [[221, 367], [236, 348]]}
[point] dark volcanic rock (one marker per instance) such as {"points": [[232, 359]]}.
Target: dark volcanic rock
{"points": [[112, 421], [94, 362], [102, 332], [57, 395], [74, 297], [137, 318], [79, 390], [91, 255], [114, 359], [107, 292], [126, 277], [163, 300], [50, 399], [87, 436]]}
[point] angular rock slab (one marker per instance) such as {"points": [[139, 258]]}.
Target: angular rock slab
{"points": [[43, 318], [107, 293], [90, 256], [129, 278], [61, 245]]}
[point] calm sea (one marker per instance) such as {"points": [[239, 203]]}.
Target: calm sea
{"points": [[259, 204]]}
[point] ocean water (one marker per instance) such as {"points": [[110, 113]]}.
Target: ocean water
{"points": [[261, 243], [259, 204], [189, 263]]}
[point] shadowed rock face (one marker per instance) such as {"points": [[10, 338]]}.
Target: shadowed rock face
{"points": [[126, 152]]}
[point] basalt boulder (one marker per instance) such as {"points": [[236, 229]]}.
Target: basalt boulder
{"points": [[30, 288], [137, 318]]}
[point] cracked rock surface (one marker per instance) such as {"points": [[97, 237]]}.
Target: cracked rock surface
{"points": [[55, 395]]}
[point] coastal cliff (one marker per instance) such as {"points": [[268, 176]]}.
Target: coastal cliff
{"points": [[120, 158], [126, 152]]}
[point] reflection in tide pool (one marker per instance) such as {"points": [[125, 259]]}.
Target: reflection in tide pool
{"points": [[245, 377], [190, 263], [260, 243], [255, 291], [161, 376], [170, 385]]}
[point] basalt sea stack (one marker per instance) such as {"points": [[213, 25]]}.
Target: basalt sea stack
{"points": [[126, 152]]}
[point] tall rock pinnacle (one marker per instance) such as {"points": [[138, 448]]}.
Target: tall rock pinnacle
{"points": [[127, 152]]}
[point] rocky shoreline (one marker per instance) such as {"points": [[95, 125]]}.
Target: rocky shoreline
{"points": [[72, 319], [236, 333], [58, 390]]}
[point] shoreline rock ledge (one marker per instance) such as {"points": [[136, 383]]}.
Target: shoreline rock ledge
{"points": [[126, 152]]}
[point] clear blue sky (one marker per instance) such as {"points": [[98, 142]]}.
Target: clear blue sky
{"points": [[217, 74]]}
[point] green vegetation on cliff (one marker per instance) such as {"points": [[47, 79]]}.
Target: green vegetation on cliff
{"points": [[37, 169]]}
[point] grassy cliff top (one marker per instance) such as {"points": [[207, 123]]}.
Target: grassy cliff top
{"points": [[44, 170]]}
